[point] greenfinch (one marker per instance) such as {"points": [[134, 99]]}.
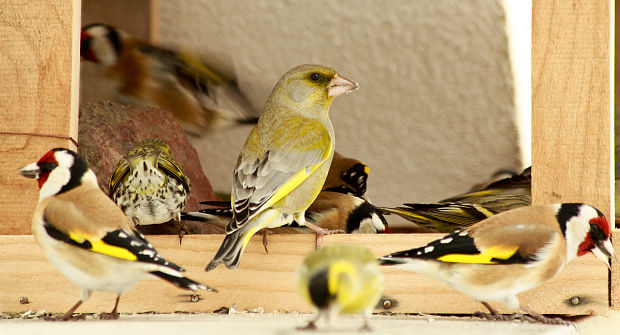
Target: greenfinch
{"points": [[341, 278], [469, 208], [284, 162]]}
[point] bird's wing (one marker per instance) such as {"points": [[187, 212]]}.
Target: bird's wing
{"points": [[263, 177], [173, 170], [494, 244], [95, 228], [441, 217], [119, 174]]}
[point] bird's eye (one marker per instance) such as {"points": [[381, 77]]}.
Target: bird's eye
{"points": [[47, 166], [315, 77], [597, 233]]}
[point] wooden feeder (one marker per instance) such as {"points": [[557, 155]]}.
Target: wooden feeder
{"points": [[572, 137]]}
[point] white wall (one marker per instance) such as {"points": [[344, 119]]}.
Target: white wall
{"points": [[435, 110]]}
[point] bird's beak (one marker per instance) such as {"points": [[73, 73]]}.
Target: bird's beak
{"points": [[603, 250], [340, 85], [29, 171]]}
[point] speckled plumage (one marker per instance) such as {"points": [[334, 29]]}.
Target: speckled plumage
{"points": [[148, 185]]}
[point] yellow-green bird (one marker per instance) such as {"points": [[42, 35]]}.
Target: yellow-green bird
{"points": [[149, 185], [341, 278], [285, 159], [469, 208]]}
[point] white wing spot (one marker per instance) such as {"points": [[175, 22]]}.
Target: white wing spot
{"points": [[419, 253], [150, 253], [463, 233], [429, 249], [135, 243], [122, 235], [353, 174], [446, 240]]}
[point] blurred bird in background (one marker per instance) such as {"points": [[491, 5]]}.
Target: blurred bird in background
{"points": [[87, 237], [511, 252], [200, 98], [341, 278], [284, 162], [149, 185], [469, 208]]}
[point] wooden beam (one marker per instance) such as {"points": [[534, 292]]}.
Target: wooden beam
{"points": [[571, 99], [269, 280], [39, 68]]}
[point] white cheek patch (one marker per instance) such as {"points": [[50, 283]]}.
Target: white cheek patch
{"points": [[58, 178]]}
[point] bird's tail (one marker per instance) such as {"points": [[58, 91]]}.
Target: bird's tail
{"points": [[182, 281], [229, 252], [235, 242]]}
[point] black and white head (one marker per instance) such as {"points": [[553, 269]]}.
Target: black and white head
{"points": [[101, 43], [586, 230], [365, 219], [58, 171]]}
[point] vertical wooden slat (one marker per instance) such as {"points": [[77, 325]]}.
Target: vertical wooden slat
{"points": [[571, 98], [39, 54]]}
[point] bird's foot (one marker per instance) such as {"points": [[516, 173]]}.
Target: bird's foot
{"points": [[182, 230], [266, 233], [535, 317], [320, 233], [109, 316], [493, 316]]}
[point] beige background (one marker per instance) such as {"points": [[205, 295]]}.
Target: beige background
{"points": [[435, 112]]}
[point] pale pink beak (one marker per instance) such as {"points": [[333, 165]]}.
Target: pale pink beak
{"points": [[340, 85]]}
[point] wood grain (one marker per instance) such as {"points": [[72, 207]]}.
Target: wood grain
{"points": [[269, 280], [571, 116], [614, 280], [39, 54]]}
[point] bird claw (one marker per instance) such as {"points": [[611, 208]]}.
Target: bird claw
{"points": [[266, 233], [322, 232]]}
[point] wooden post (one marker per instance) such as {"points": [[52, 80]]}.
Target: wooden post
{"points": [[571, 103], [39, 73]]}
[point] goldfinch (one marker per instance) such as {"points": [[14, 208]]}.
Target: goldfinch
{"points": [[285, 159], [87, 237], [144, 74], [469, 208], [149, 185], [341, 278], [347, 175], [511, 252]]}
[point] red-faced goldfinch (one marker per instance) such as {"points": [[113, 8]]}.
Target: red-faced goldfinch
{"points": [[144, 74], [469, 208], [341, 278], [285, 159], [149, 185], [87, 237], [511, 252]]}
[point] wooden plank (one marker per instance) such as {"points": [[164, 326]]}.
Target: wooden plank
{"points": [[136, 17], [614, 280], [269, 280], [571, 115], [39, 67]]}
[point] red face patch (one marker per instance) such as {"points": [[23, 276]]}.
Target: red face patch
{"points": [[588, 244], [45, 173]]}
